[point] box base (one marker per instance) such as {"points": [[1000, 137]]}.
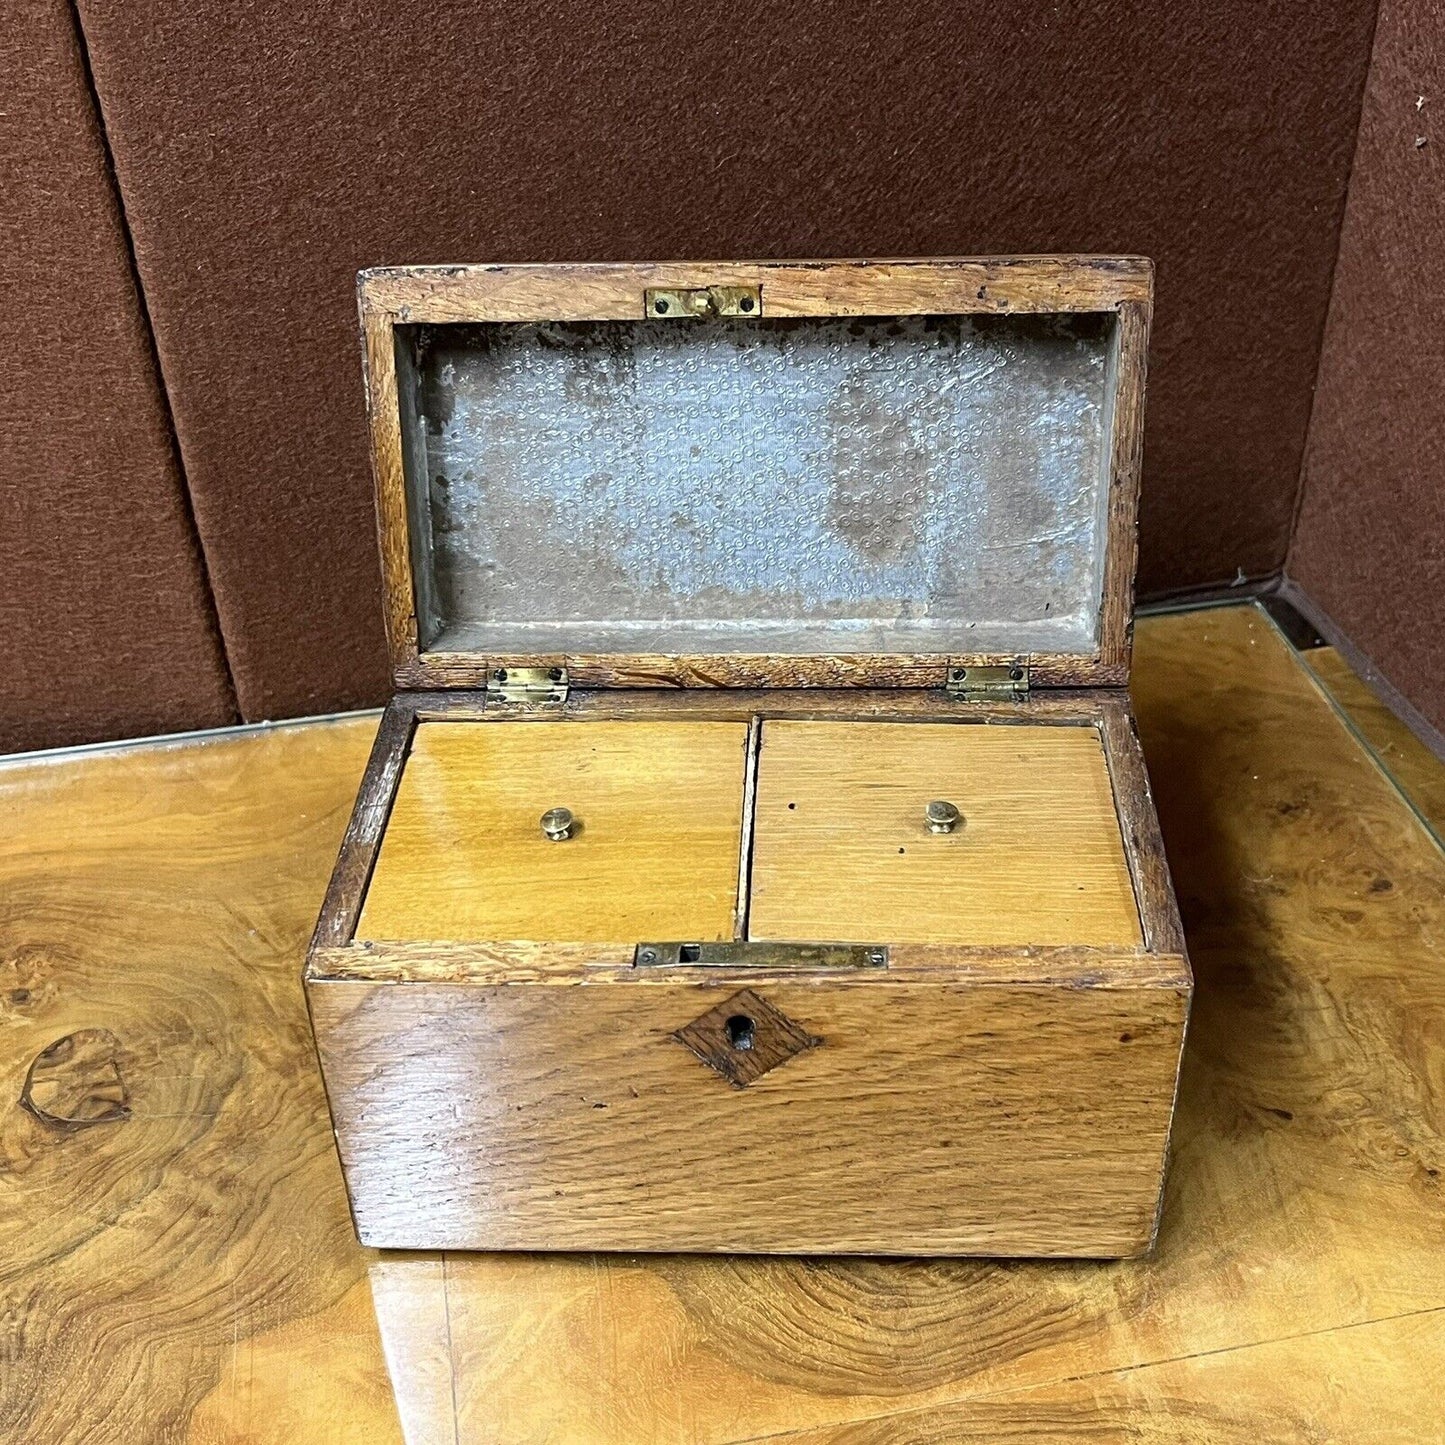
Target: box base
{"points": [[971, 1094]]}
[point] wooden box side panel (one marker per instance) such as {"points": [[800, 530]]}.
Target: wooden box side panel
{"points": [[1139, 824], [1124, 435], [928, 1117], [361, 843]]}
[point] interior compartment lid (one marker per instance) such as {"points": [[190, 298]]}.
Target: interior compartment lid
{"points": [[758, 474]]}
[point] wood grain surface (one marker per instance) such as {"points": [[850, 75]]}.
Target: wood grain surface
{"points": [[189, 1273], [841, 849], [658, 810], [925, 1118], [1139, 823], [440, 670], [1124, 428], [587, 964], [159, 895], [340, 909], [1413, 766], [1086, 705], [613, 291]]}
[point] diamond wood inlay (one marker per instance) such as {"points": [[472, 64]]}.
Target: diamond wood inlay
{"points": [[745, 1037]]}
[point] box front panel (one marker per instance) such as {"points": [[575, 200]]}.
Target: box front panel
{"points": [[922, 1116]]}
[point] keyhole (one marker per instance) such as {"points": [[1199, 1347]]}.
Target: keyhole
{"points": [[740, 1031]]}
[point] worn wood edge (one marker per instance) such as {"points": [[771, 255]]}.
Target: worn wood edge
{"points": [[346, 891], [608, 291], [1187, 994], [1139, 825], [360, 844], [430, 671], [1125, 432], [1081, 706], [388, 467], [384, 1238], [586, 964]]}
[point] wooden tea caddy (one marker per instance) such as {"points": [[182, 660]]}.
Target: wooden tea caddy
{"points": [[715, 593]]}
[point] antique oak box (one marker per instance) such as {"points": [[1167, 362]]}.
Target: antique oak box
{"points": [[757, 854]]}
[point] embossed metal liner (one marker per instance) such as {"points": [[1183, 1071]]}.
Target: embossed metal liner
{"points": [[921, 484]]}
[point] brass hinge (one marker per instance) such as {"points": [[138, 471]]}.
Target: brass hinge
{"points": [[761, 955], [675, 303], [527, 686], [999, 682]]}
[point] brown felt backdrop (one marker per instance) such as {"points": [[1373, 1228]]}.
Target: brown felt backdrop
{"points": [[1370, 543], [264, 154], [106, 628]]}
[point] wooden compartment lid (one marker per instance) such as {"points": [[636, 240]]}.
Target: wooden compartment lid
{"points": [[759, 474]]}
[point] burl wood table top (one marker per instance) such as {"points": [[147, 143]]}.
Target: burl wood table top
{"points": [[176, 1261]]}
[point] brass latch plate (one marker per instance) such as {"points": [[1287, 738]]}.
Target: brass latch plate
{"points": [[527, 686], [760, 955], [995, 682], [674, 303]]}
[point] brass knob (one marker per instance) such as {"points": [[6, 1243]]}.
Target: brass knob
{"points": [[557, 824], [941, 817]]}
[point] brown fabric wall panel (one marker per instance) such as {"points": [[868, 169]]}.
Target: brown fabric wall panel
{"points": [[267, 153], [1370, 543], [106, 626]]}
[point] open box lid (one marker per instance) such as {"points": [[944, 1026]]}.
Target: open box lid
{"points": [[759, 474]]}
